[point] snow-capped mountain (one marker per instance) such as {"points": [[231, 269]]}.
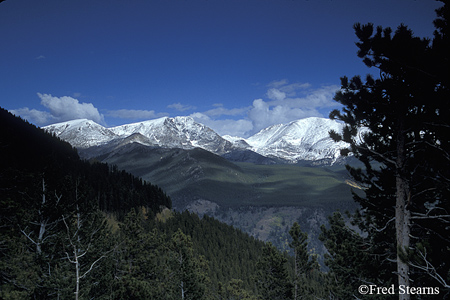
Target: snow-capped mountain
{"points": [[178, 132], [305, 139], [82, 133]]}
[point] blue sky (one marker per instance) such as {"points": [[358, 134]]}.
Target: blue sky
{"points": [[236, 66]]}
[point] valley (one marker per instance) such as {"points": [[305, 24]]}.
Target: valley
{"points": [[189, 175], [261, 185], [261, 200]]}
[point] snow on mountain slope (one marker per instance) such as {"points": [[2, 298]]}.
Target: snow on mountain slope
{"points": [[178, 132], [305, 139], [82, 133], [237, 141]]}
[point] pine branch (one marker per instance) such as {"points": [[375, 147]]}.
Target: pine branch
{"points": [[383, 228], [377, 154], [419, 216]]}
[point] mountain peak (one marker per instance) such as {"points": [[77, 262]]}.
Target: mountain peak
{"points": [[304, 139], [182, 119], [177, 132], [81, 133]]}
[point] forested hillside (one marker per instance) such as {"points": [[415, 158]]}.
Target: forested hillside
{"points": [[30, 157], [53, 208], [72, 229]]}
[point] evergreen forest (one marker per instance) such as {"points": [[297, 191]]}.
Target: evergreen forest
{"points": [[76, 229]]}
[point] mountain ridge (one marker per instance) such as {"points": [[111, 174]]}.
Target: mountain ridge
{"points": [[305, 139], [233, 183]]}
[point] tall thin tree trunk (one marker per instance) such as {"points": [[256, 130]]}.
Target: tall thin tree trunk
{"points": [[402, 213], [182, 290], [42, 221], [77, 273], [402, 224]]}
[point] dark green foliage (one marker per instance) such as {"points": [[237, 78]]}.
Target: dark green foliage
{"points": [[351, 260], [273, 280], [234, 290], [18, 273], [404, 213], [155, 258], [188, 278], [305, 264], [139, 273], [45, 188], [230, 253], [119, 191]]}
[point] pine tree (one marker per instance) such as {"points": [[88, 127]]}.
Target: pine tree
{"points": [[188, 278], [405, 151], [303, 262], [273, 280], [350, 259], [139, 273]]}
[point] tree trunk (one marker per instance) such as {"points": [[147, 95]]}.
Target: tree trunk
{"points": [[182, 290], [42, 221], [402, 225], [77, 273], [402, 213]]}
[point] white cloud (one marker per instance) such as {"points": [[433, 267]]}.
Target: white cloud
{"points": [[230, 124], [67, 108], [276, 94], [35, 116], [60, 109], [180, 107], [318, 98], [285, 102], [295, 86], [290, 89], [278, 83], [231, 127], [285, 106], [134, 114], [219, 110], [264, 114]]}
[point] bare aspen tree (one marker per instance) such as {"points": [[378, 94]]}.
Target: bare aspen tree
{"points": [[81, 240]]}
